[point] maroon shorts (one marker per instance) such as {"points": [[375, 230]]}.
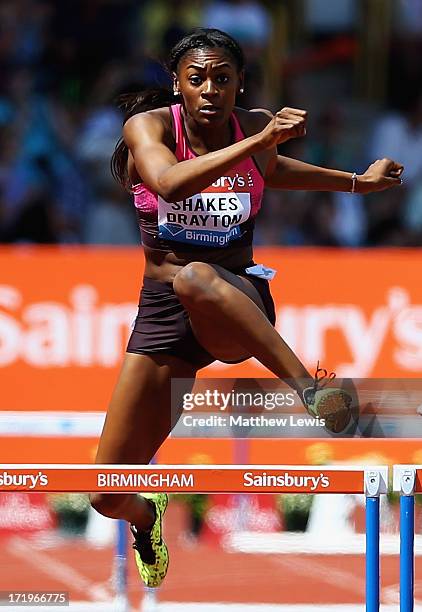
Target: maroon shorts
{"points": [[162, 325]]}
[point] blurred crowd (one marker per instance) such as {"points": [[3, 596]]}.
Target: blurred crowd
{"points": [[64, 63]]}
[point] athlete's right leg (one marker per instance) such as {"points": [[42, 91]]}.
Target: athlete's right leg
{"points": [[230, 324], [138, 421], [228, 320]]}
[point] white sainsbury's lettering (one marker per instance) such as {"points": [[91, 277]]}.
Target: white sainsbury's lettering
{"points": [[285, 480], [231, 182], [23, 480], [81, 329], [305, 329]]}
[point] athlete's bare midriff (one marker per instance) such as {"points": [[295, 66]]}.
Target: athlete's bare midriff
{"points": [[163, 266]]}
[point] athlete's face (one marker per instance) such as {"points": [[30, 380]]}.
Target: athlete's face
{"points": [[208, 80]]}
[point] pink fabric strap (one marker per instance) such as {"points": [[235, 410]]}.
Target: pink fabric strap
{"points": [[182, 150]]}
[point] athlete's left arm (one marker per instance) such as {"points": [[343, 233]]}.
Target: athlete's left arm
{"points": [[286, 173]]}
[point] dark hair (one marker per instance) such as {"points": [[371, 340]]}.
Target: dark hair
{"points": [[133, 103]]}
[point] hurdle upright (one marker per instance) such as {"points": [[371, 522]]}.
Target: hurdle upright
{"points": [[375, 484], [407, 482]]}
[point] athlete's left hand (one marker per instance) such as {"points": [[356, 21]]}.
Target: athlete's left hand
{"points": [[382, 174]]}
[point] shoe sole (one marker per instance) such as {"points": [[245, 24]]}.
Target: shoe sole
{"points": [[333, 409]]}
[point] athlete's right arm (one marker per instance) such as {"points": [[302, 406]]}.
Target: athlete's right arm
{"points": [[145, 136], [156, 164]]}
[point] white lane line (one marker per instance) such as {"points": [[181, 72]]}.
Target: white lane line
{"points": [[169, 606], [339, 578], [223, 607], [391, 594], [306, 544], [60, 571]]}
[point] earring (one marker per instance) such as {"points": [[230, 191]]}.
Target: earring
{"points": [[176, 93], [241, 90]]}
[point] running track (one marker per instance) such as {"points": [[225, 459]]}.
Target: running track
{"points": [[198, 573]]}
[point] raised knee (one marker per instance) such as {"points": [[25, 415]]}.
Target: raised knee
{"points": [[194, 280], [107, 504]]}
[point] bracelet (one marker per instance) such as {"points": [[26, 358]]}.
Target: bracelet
{"points": [[354, 181]]}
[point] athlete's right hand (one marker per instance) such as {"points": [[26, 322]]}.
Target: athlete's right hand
{"points": [[287, 123]]}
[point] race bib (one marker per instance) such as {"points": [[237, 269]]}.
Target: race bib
{"points": [[210, 219]]}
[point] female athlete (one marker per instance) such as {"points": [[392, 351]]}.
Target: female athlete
{"points": [[197, 166]]}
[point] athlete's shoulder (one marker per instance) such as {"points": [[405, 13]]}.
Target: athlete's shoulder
{"points": [[254, 120], [155, 122], [155, 116]]}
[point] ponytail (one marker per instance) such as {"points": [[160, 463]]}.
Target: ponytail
{"points": [[131, 104]]}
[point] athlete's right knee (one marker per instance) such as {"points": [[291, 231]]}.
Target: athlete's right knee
{"points": [[108, 504], [194, 281]]}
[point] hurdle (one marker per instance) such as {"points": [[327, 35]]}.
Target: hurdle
{"points": [[371, 481], [407, 482]]}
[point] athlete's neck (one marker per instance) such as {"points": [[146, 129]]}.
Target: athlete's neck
{"points": [[203, 139]]}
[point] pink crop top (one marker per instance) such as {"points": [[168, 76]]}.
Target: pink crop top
{"points": [[222, 215]]}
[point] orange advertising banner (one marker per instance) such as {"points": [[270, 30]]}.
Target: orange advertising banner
{"points": [[74, 450], [184, 479], [65, 317]]}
